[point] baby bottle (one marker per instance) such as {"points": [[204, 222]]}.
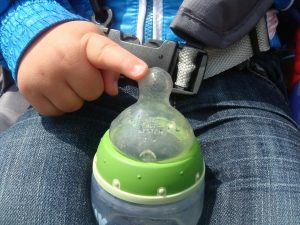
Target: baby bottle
{"points": [[148, 168]]}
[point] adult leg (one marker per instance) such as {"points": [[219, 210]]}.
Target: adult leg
{"points": [[249, 141], [46, 165], [251, 148]]}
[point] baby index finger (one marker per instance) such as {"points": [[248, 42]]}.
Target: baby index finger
{"points": [[105, 54]]}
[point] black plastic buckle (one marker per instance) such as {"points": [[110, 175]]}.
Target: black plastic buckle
{"points": [[102, 14], [103, 18], [163, 54]]}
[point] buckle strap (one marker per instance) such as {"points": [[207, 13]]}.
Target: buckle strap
{"points": [[220, 60], [186, 66], [190, 70], [189, 65]]}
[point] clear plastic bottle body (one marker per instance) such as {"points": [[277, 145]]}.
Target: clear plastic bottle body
{"points": [[148, 157], [110, 210]]}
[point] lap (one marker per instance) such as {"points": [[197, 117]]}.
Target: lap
{"points": [[242, 123], [251, 149]]}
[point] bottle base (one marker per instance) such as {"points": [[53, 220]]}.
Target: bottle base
{"points": [[110, 210]]}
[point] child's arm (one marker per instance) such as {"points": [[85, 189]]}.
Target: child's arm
{"points": [[71, 63], [59, 61]]}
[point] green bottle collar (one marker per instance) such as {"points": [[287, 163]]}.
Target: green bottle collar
{"points": [[148, 182]]}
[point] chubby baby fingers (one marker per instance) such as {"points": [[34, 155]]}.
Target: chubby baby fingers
{"points": [[64, 98], [105, 54], [51, 99], [86, 81], [110, 80], [44, 106]]}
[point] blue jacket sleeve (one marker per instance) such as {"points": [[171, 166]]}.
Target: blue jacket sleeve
{"points": [[283, 4], [4, 5], [24, 21]]}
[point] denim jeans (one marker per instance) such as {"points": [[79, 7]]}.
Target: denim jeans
{"points": [[241, 119]]}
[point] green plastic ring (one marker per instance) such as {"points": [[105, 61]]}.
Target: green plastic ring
{"points": [[148, 182]]}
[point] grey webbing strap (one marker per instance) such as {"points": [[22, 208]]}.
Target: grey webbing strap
{"points": [[186, 65], [220, 60]]}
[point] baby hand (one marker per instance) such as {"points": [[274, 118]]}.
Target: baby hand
{"points": [[71, 63]]}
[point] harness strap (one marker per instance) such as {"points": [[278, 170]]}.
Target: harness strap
{"points": [[188, 65], [220, 60]]}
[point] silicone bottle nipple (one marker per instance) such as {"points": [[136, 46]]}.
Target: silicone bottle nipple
{"points": [[151, 129]]}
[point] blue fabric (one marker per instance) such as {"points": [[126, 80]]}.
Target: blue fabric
{"points": [[4, 5], [148, 27], [275, 42], [241, 119], [125, 18], [283, 4], [170, 8], [126, 15], [27, 19], [23, 22]]}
